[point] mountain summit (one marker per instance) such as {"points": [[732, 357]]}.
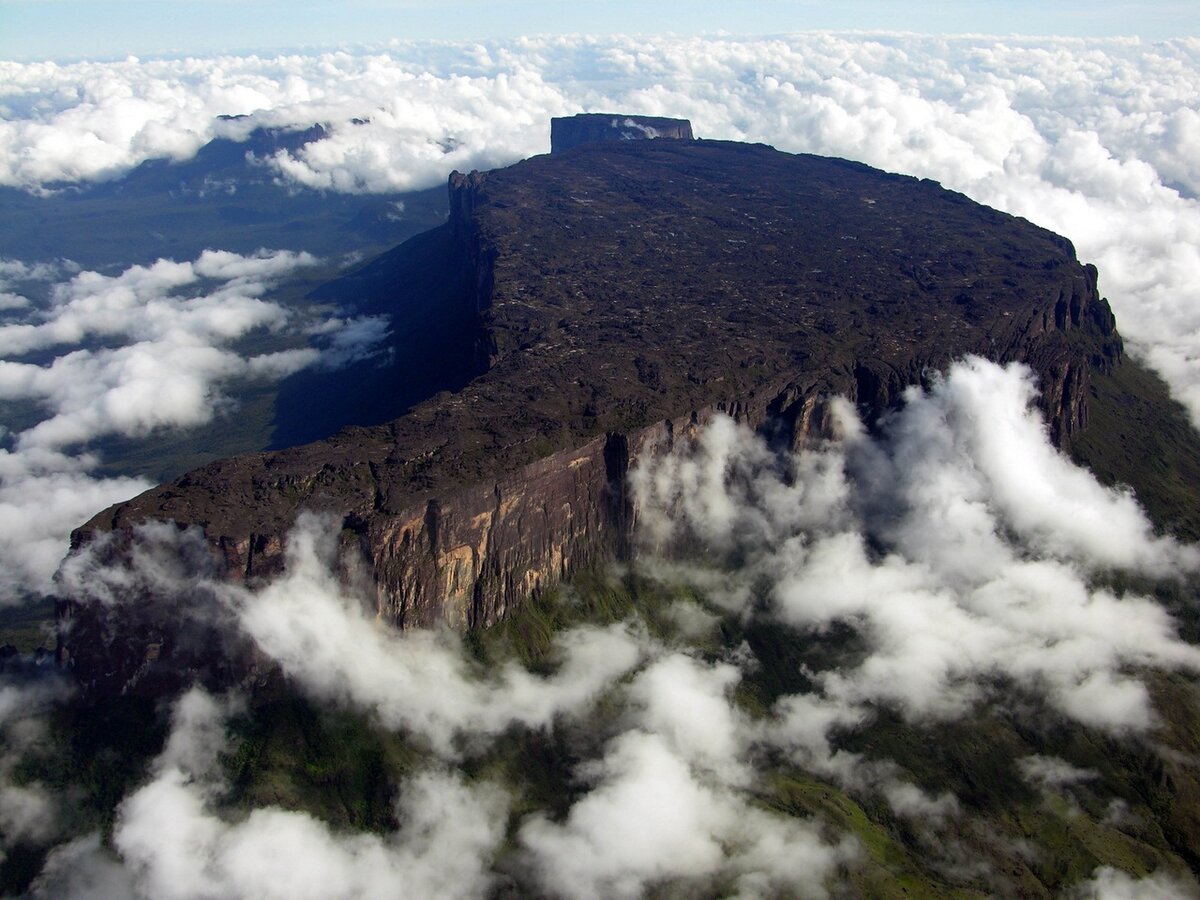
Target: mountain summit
{"points": [[572, 131]]}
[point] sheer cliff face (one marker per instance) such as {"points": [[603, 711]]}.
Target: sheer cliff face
{"points": [[572, 131], [619, 294]]}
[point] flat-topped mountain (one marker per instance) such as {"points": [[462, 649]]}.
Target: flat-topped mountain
{"points": [[571, 131], [592, 304]]}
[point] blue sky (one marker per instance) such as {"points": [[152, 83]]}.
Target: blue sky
{"points": [[56, 29]]}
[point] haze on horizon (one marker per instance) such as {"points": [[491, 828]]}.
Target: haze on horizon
{"points": [[111, 29]]}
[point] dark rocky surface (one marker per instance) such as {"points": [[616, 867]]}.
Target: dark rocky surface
{"points": [[571, 131], [593, 304]]}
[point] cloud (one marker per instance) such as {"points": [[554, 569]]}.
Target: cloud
{"points": [[43, 496], [83, 868], [18, 279], [670, 784], [649, 818], [669, 778], [914, 541], [351, 340], [1051, 772], [1108, 883], [393, 124], [667, 800], [959, 547], [327, 638], [418, 681], [1018, 124], [171, 350], [984, 413], [149, 349], [688, 704], [134, 352], [30, 813], [174, 840]]}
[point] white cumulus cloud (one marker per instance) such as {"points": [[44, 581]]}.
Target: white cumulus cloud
{"points": [[172, 838], [959, 546], [416, 681], [669, 794], [962, 552]]}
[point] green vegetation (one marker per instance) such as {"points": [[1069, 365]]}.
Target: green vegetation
{"points": [[90, 757], [333, 764], [28, 626], [1136, 808], [885, 868], [1138, 436], [1121, 814], [592, 597]]}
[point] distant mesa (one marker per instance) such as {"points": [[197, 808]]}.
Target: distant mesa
{"points": [[571, 131], [267, 141]]}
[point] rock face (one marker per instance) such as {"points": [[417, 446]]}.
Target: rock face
{"points": [[572, 131], [610, 299]]}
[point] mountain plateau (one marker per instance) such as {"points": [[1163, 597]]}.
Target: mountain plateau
{"points": [[585, 309]]}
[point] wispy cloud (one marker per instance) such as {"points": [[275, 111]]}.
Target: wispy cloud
{"points": [[966, 558], [959, 547]]}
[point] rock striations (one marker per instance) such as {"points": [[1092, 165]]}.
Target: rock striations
{"points": [[572, 131], [616, 295]]}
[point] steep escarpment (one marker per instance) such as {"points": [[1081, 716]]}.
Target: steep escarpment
{"points": [[619, 294], [571, 131]]}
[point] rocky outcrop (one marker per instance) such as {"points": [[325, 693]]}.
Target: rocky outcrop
{"points": [[468, 557], [618, 297], [572, 131]]}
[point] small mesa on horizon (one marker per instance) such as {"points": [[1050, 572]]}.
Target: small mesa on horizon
{"points": [[571, 131]]}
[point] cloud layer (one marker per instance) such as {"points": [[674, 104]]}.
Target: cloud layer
{"points": [[173, 842], [669, 781], [1095, 139], [960, 547], [88, 356], [966, 558], [1098, 140], [418, 682]]}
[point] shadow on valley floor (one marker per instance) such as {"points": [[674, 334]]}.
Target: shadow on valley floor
{"points": [[424, 290]]}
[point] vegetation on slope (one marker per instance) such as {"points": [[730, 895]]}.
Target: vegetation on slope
{"points": [[1138, 436]]}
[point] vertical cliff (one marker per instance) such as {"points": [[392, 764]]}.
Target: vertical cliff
{"points": [[572, 131]]}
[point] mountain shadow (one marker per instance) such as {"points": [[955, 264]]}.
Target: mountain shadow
{"points": [[424, 291]]}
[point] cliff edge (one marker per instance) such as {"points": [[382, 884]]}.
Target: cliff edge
{"points": [[571, 131]]}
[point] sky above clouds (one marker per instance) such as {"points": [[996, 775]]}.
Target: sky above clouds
{"points": [[72, 29], [1098, 140], [151, 349]]}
